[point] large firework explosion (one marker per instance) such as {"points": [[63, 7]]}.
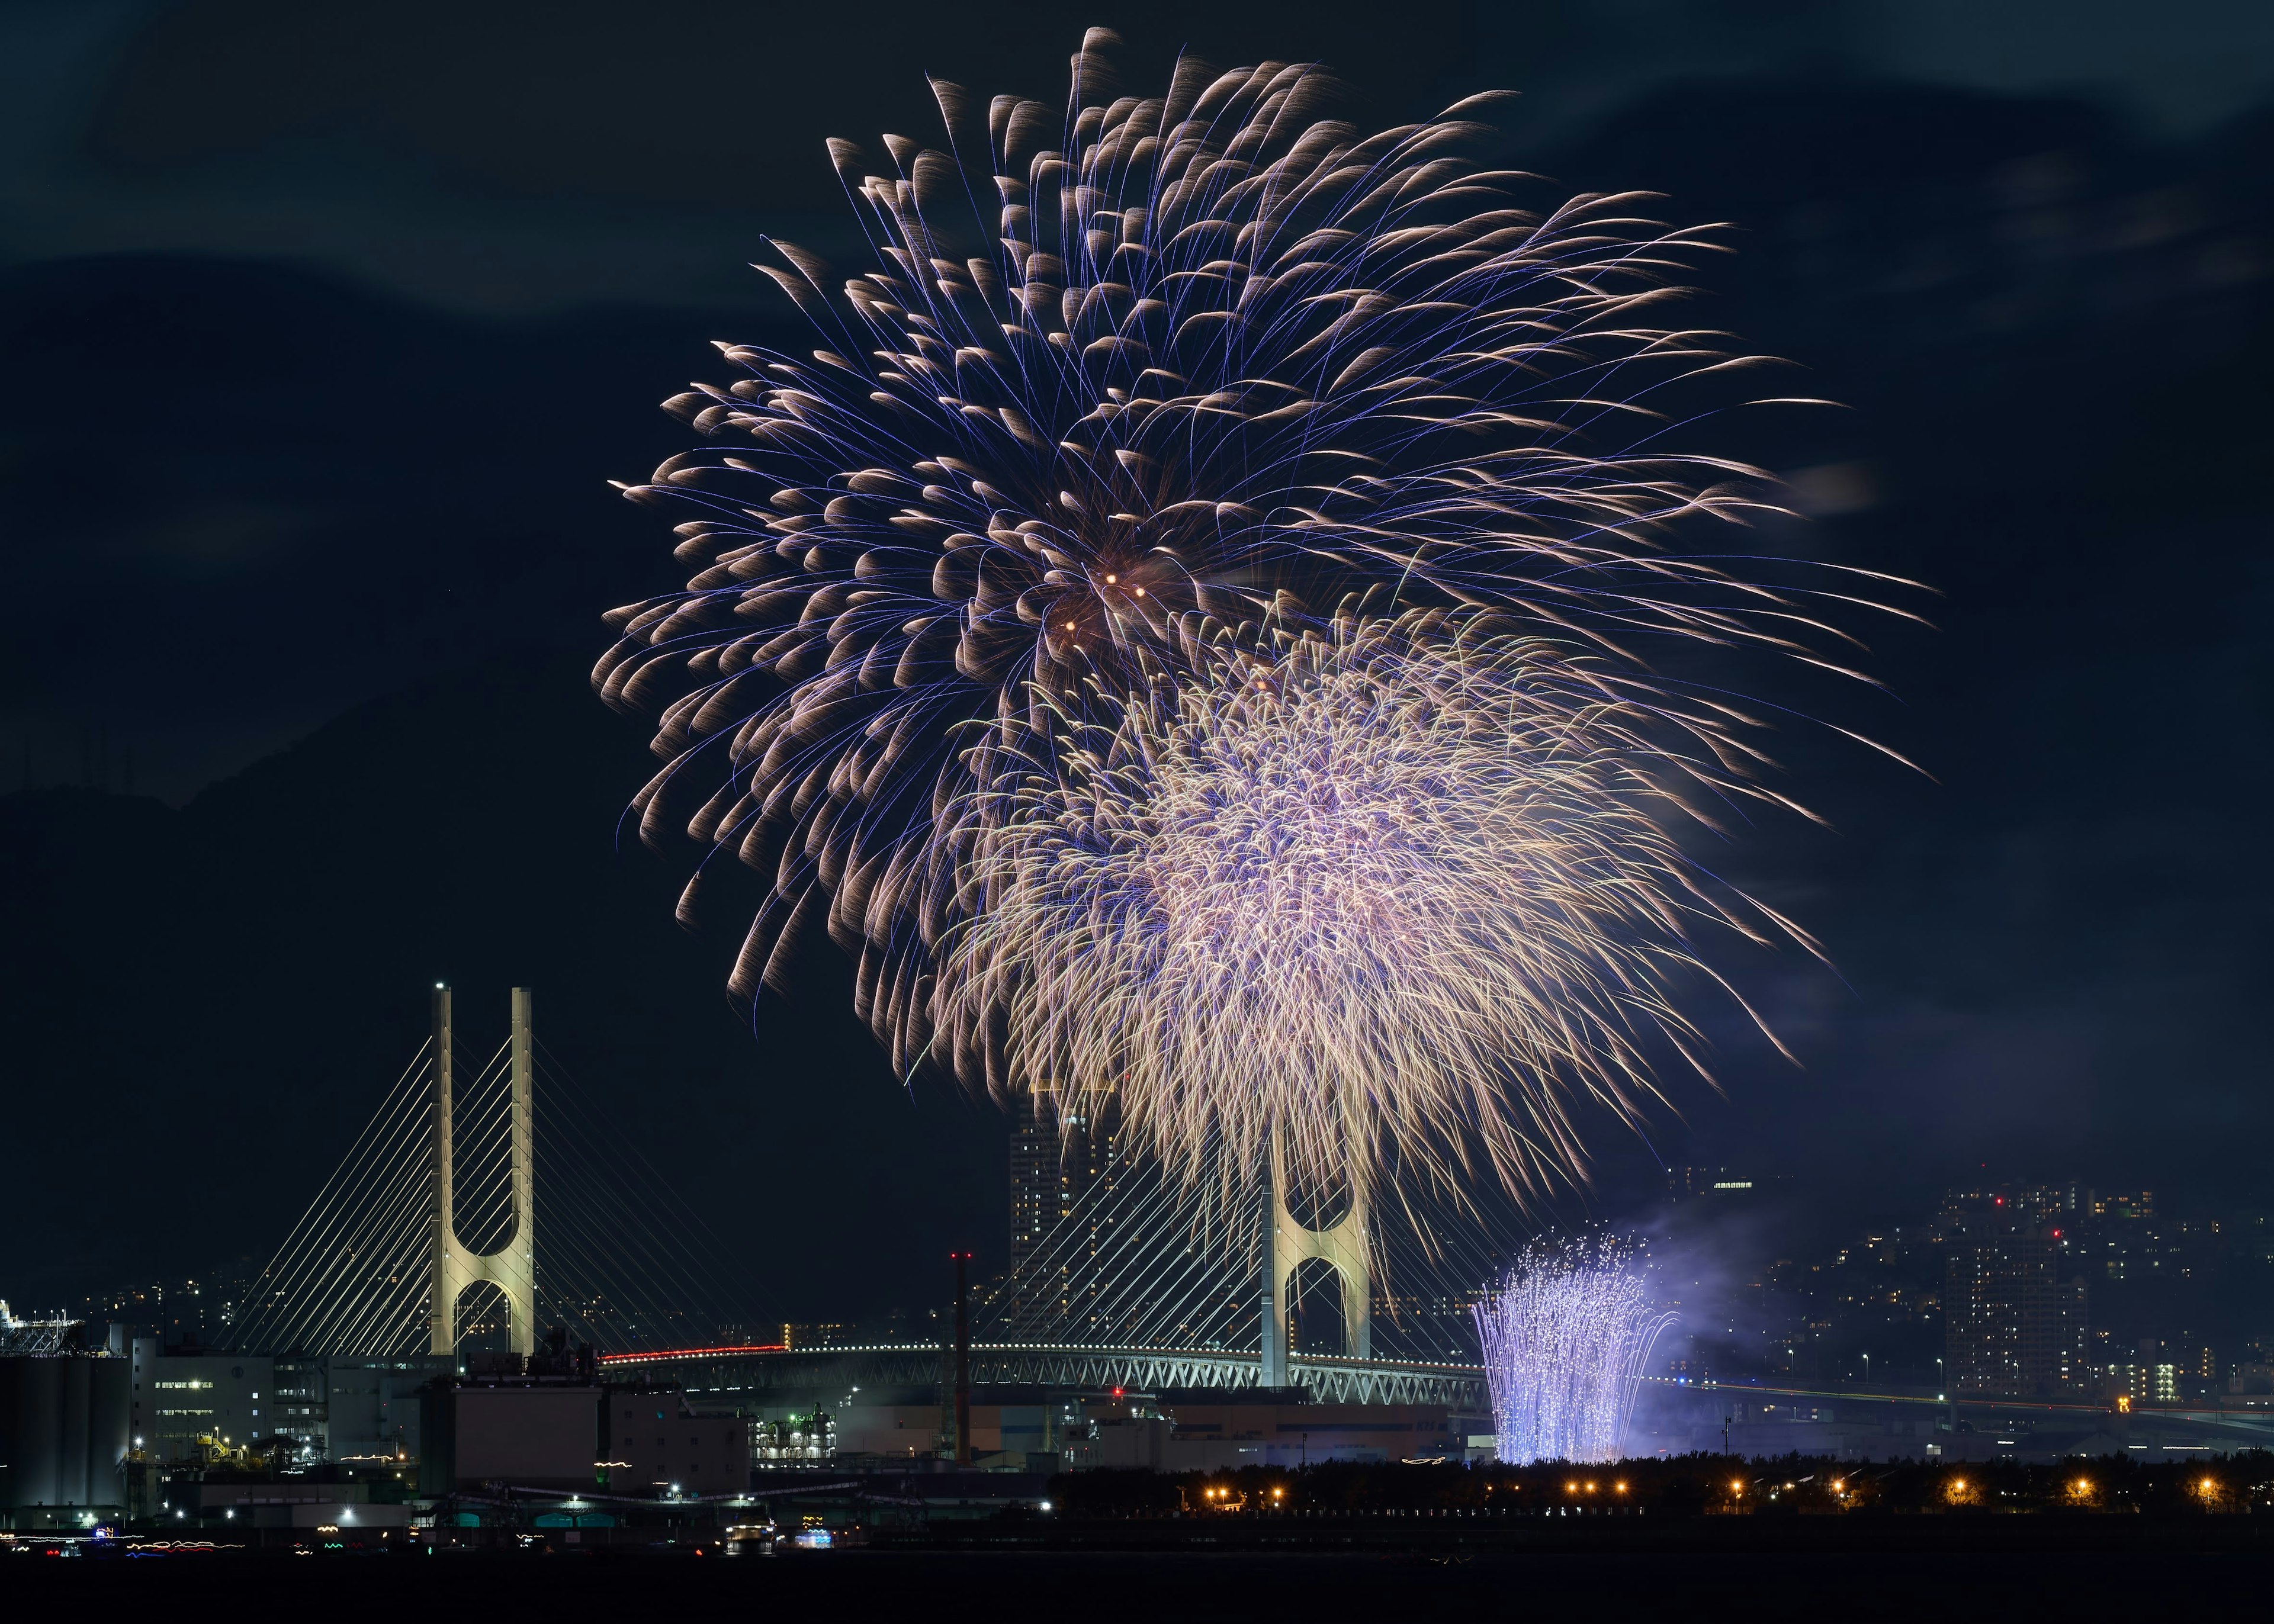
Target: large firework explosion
{"points": [[1209, 374], [1410, 882], [1566, 1337]]}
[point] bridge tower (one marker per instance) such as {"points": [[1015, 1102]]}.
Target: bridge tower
{"points": [[512, 1268], [1340, 1246]]}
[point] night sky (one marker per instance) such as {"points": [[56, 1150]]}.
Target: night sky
{"points": [[322, 329]]}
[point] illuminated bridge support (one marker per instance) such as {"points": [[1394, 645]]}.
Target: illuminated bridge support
{"points": [[512, 1268], [1340, 1246]]}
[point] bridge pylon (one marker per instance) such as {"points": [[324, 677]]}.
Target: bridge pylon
{"points": [[512, 1268], [1289, 1244]]}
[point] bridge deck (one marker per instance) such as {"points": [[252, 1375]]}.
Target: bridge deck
{"points": [[1326, 1380]]}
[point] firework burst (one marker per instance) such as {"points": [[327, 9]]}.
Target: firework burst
{"points": [[1206, 370], [1410, 883], [1566, 1337]]}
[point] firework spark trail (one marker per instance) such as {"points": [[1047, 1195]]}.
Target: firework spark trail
{"points": [[1216, 369], [1566, 1337], [1412, 883]]}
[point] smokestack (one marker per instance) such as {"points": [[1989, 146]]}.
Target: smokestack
{"points": [[962, 1359], [442, 1311]]}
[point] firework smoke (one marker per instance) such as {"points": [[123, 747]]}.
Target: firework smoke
{"points": [[1566, 1336], [1407, 883]]}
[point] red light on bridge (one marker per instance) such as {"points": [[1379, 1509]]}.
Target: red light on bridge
{"points": [[691, 1353]]}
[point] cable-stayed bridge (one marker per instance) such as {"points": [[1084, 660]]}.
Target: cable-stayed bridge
{"points": [[495, 1174]]}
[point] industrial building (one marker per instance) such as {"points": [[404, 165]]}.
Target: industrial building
{"points": [[289, 1503], [182, 1397], [365, 1410], [330, 1407], [506, 1420], [654, 1443], [66, 1433]]}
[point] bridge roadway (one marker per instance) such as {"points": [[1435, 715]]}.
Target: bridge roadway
{"points": [[834, 1370]]}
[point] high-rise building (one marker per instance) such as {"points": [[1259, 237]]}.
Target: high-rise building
{"points": [[2064, 1202], [2017, 1321], [1035, 1195], [1065, 1172], [2055, 1330]]}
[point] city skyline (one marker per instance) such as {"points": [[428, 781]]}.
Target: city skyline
{"points": [[1970, 1296]]}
